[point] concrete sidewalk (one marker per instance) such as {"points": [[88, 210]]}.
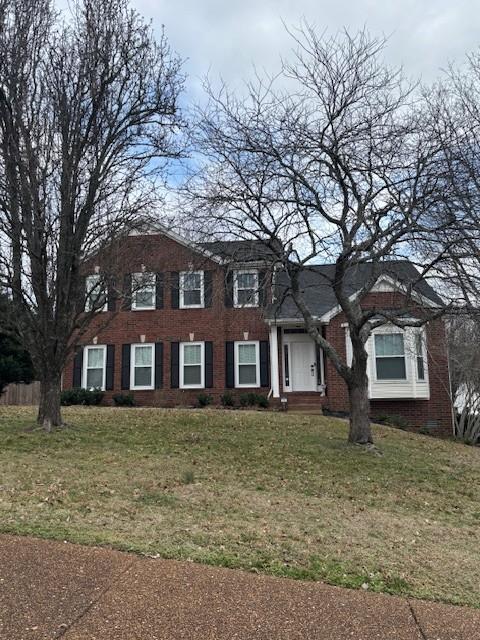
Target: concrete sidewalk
{"points": [[57, 590]]}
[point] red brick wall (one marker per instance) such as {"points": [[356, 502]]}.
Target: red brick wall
{"points": [[217, 323]]}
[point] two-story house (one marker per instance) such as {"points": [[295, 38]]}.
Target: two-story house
{"points": [[206, 319]]}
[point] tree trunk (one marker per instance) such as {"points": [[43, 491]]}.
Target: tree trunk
{"points": [[49, 411], [360, 431]]}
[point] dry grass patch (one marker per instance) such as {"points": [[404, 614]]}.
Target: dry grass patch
{"points": [[279, 493]]}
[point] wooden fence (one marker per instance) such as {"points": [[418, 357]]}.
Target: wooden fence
{"points": [[21, 394]]}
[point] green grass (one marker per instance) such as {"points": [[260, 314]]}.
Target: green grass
{"points": [[272, 492]]}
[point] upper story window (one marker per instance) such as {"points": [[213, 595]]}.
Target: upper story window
{"points": [[390, 356], [245, 288], [141, 371], [419, 355], [94, 362], [143, 291], [192, 365], [96, 297], [247, 364], [192, 294]]}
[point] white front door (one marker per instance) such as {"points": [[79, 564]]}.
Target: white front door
{"points": [[303, 366]]}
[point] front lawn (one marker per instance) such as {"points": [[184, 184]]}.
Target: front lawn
{"points": [[278, 493]]}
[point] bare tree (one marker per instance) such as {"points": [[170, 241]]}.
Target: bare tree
{"points": [[88, 118], [328, 160]]}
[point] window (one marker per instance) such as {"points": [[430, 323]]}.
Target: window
{"points": [[192, 365], [390, 356], [94, 368], [245, 289], [143, 291], [247, 360], [191, 289], [419, 356], [95, 293], [141, 371]]}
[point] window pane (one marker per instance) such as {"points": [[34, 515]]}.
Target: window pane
{"points": [[247, 374], [192, 297], [389, 344], [420, 369], [95, 358], [192, 354], [95, 292], [391, 369], [247, 353], [192, 374], [245, 296], [94, 378], [143, 356], [246, 281], [143, 377], [144, 298], [192, 281]]}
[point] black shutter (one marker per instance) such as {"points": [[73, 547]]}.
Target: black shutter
{"points": [[158, 365], [229, 289], [262, 282], [111, 296], [159, 291], [110, 368], [127, 294], [77, 367], [175, 365], [175, 289], [208, 365], [264, 364], [319, 364], [125, 366], [208, 291], [229, 365]]}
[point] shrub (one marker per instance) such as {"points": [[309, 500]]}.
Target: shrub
{"points": [[392, 420], [227, 399], [204, 399], [244, 399], [262, 401], [81, 396], [124, 400]]}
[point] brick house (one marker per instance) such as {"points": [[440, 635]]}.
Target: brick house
{"points": [[206, 319]]}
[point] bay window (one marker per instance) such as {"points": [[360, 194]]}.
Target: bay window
{"points": [[192, 365], [390, 356]]}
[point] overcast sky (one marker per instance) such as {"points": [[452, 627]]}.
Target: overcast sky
{"points": [[225, 37]]}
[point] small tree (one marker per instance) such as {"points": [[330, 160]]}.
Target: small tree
{"points": [[331, 165], [88, 114]]}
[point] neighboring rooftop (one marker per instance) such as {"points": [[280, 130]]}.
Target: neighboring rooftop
{"points": [[240, 250]]}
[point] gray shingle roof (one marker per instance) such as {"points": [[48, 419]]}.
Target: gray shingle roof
{"points": [[316, 283], [240, 250]]}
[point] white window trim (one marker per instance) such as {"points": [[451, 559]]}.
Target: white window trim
{"points": [[152, 287], [202, 365], [85, 363], [132, 367], [182, 304], [237, 364], [236, 288], [405, 353], [88, 308]]}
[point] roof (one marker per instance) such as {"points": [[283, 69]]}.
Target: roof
{"points": [[316, 284], [240, 250]]}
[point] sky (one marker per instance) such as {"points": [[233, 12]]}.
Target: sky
{"points": [[227, 37]]}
